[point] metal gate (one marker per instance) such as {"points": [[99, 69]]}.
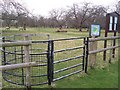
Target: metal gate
{"points": [[56, 59], [65, 59]]}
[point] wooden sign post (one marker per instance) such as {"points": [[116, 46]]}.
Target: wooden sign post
{"points": [[94, 32], [112, 21]]}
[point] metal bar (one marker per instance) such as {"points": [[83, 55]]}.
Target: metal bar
{"points": [[22, 68], [4, 54], [104, 49], [86, 57], [52, 60], [48, 64], [83, 54], [67, 68], [8, 73], [39, 41], [67, 75], [68, 49], [24, 85], [68, 59]]}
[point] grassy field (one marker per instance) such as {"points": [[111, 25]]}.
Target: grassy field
{"points": [[103, 76]]}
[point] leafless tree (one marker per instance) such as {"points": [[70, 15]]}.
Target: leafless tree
{"points": [[58, 16], [118, 7], [12, 10]]}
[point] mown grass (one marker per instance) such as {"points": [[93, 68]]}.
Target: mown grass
{"points": [[78, 80], [96, 78]]}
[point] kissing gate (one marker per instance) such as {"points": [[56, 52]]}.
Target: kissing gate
{"points": [[56, 59]]}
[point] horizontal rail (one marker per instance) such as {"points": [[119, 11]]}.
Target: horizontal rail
{"points": [[67, 68], [73, 38], [104, 38], [32, 35], [39, 41], [16, 75], [15, 66], [104, 49], [68, 49], [62, 77], [68, 59], [12, 44]]}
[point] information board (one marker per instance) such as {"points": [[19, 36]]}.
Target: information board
{"points": [[95, 30]]}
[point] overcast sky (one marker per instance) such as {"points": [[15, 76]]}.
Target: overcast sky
{"points": [[42, 7]]}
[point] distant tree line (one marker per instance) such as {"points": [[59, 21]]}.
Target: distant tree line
{"points": [[76, 16]]}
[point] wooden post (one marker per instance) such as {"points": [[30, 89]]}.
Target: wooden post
{"points": [[27, 59], [92, 57], [118, 45], [111, 51], [0, 62], [105, 46], [114, 43], [0, 72]]}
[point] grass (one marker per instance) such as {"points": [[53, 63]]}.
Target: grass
{"points": [[95, 77]]}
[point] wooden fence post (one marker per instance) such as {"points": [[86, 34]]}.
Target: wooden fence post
{"points": [[27, 59], [0, 71], [111, 54], [119, 47], [92, 57]]}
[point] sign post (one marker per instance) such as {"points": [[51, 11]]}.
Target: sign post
{"points": [[112, 23], [94, 32]]}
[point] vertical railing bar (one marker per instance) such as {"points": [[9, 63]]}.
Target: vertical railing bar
{"points": [[52, 60], [4, 54], [83, 54], [48, 64], [15, 50], [22, 62], [87, 52]]}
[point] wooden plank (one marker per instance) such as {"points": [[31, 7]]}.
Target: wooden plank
{"points": [[104, 49], [16, 66], [104, 38], [12, 44]]}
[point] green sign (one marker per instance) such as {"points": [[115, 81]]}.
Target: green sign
{"points": [[95, 30]]}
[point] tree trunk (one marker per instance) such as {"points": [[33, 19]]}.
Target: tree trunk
{"points": [[80, 29], [24, 26]]}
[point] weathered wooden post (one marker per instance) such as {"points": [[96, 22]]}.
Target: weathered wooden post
{"points": [[111, 44], [0, 64], [27, 59], [92, 57]]}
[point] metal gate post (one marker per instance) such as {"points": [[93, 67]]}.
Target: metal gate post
{"points": [[4, 54], [83, 63], [87, 53], [50, 62]]}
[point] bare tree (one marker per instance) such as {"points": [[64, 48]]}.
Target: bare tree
{"points": [[81, 14], [57, 15], [118, 7], [12, 8]]}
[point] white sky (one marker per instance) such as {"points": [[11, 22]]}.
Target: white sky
{"points": [[42, 7]]}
